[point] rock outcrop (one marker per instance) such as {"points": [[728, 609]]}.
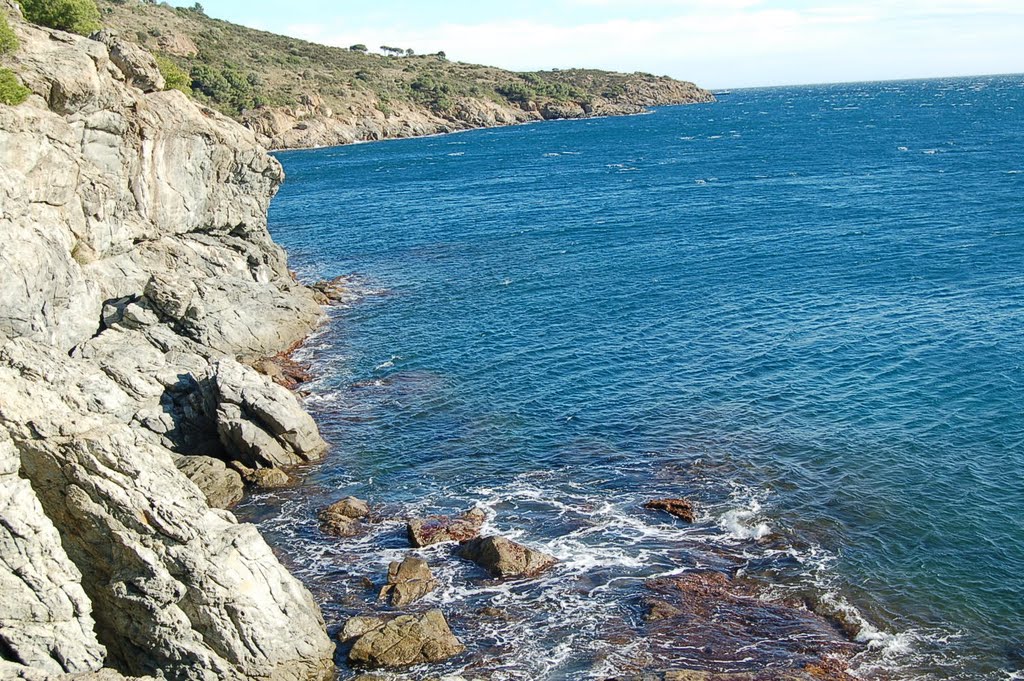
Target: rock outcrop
{"points": [[505, 558], [342, 518], [135, 269], [680, 508], [408, 581], [441, 528], [402, 641]]}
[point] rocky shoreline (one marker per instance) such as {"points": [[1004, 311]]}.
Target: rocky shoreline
{"points": [[137, 272], [147, 319]]}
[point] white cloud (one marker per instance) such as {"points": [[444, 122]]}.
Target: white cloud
{"points": [[736, 42]]}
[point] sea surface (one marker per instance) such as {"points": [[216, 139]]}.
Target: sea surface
{"points": [[801, 307]]}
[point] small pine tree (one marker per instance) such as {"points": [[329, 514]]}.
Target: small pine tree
{"points": [[8, 41], [175, 78], [76, 16], [12, 92]]}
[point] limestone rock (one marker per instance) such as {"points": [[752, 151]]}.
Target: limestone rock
{"points": [[505, 558], [438, 528], [408, 581], [174, 586], [261, 423], [407, 640], [221, 486], [680, 508], [45, 616], [156, 207]]}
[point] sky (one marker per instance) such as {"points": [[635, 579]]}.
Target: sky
{"points": [[715, 43]]}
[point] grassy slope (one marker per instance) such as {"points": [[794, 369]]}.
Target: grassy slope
{"points": [[239, 68]]}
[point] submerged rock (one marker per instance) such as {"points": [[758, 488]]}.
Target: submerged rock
{"points": [[408, 581], [505, 558], [706, 610], [439, 528], [404, 641], [680, 508]]}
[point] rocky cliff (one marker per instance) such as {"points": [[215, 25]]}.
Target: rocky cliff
{"points": [[135, 271]]}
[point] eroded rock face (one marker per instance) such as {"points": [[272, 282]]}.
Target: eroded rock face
{"points": [[45, 617], [135, 266], [505, 558], [175, 586], [404, 641], [439, 528]]}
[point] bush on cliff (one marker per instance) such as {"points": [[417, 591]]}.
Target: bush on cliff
{"points": [[175, 77], [76, 16], [8, 41], [12, 92]]}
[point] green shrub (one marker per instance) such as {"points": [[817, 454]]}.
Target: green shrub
{"points": [[175, 77], [12, 92], [8, 41], [76, 16]]}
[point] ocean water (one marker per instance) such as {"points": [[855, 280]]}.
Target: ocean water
{"points": [[802, 308]]}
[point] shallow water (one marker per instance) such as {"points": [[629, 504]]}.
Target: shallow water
{"points": [[801, 307]]}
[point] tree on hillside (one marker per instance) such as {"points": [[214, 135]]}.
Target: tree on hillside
{"points": [[409, 52], [358, 47], [76, 16]]}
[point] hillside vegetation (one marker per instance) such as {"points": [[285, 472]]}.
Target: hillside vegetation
{"points": [[295, 93]]}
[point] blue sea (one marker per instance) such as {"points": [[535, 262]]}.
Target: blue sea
{"points": [[801, 308]]}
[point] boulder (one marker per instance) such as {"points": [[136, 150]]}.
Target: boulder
{"points": [[262, 478], [406, 640], [680, 508], [341, 518], [260, 423], [505, 558], [438, 528], [221, 486], [408, 581], [360, 625]]}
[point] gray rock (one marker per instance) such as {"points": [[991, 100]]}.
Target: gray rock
{"points": [[221, 486], [45, 616], [261, 423], [406, 640], [174, 585], [505, 558], [105, 190], [360, 625], [438, 528], [138, 66], [408, 581]]}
